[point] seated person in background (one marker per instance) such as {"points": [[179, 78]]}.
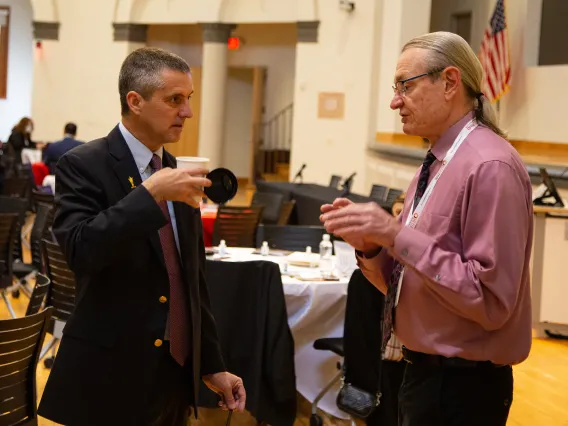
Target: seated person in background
{"points": [[20, 138], [53, 151]]}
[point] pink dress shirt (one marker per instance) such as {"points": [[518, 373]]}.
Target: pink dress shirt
{"points": [[466, 286]]}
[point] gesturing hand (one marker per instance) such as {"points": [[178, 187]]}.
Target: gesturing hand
{"points": [[364, 226], [178, 185], [230, 388]]}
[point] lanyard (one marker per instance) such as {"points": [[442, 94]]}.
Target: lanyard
{"points": [[414, 216]]}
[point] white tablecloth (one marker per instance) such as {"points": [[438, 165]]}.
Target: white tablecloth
{"points": [[30, 156], [316, 309], [49, 180]]}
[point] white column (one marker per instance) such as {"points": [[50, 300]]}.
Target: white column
{"points": [[213, 92]]}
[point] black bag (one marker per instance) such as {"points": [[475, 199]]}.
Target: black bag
{"points": [[358, 402]]}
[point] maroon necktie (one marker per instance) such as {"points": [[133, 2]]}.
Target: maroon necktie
{"points": [[388, 313], [179, 318]]}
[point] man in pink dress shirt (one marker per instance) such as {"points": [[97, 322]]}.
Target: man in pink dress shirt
{"points": [[462, 244]]}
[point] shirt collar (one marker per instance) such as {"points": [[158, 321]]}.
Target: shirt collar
{"points": [[141, 153], [443, 145]]}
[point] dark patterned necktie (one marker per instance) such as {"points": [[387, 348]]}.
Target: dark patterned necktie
{"points": [[388, 314], [178, 316]]}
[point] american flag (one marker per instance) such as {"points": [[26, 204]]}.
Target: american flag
{"points": [[494, 55]]}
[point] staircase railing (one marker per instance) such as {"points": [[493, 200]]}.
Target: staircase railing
{"points": [[275, 140]]}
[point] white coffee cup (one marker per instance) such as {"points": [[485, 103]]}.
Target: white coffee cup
{"points": [[190, 163]]}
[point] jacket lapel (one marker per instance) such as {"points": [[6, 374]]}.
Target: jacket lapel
{"points": [[129, 178]]}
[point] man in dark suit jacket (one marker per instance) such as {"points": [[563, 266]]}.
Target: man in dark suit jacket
{"points": [[142, 335], [55, 150]]}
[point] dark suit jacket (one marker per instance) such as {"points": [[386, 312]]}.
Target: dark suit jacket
{"points": [[259, 347], [54, 151], [108, 230]]}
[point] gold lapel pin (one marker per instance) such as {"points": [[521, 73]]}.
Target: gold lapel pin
{"points": [[131, 180]]}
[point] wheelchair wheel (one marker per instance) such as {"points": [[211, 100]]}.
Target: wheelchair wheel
{"points": [[16, 294], [316, 420], [48, 362]]}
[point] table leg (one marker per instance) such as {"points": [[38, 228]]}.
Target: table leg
{"points": [[538, 272]]}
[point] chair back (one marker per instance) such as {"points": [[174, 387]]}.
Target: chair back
{"points": [[8, 226], [19, 206], [21, 340], [38, 294], [392, 195], [272, 203], [15, 187], [334, 181], [362, 332], [237, 225], [43, 198], [378, 192], [286, 212], [290, 237], [62, 293], [37, 234]]}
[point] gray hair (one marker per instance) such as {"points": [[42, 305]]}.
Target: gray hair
{"points": [[449, 49], [141, 72]]}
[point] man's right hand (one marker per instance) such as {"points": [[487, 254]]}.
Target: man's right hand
{"points": [[357, 243], [178, 185]]}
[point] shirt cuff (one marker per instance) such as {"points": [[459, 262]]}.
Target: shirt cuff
{"points": [[409, 246]]}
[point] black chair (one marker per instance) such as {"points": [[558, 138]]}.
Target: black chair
{"points": [[16, 187], [286, 212], [237, 225], [38, 294], [334, 181], [360, 346], [19, 206], [61, 295], [272, 203], [20, 344], [8, 227], [290, 237], [392, 195], [259, 347], [25, 271], [378, 192]]}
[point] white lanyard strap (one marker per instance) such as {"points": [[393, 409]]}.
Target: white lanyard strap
{"points": [[413, 217]]}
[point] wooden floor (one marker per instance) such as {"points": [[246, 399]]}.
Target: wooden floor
{"points": [[541, 387], [541, 382]]}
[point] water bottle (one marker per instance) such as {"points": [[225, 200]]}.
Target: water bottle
{"points": [[264, 250], [326, 253], [222, 248]]}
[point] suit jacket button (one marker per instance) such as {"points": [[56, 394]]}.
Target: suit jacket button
{"points": [[163, 299], [158, 343]]}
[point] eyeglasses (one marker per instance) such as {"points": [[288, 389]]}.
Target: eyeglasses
{"points": [[400, 86]]}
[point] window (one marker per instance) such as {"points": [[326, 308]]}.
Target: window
{"points": [[4, 28], [461, 25]]}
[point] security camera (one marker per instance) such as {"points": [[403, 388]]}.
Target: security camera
{"points": [[347, 5]]}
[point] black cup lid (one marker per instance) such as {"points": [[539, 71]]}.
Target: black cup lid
{"points": [[223, 187]]}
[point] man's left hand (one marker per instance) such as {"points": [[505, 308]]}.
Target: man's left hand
{"points": [[230, 388], [362, 223]]}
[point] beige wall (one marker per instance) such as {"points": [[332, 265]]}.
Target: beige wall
{"points": [[533, 108], [344, 60], [76, 78]]}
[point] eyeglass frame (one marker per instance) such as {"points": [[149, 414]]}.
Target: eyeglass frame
{"points": [[403, 82]]}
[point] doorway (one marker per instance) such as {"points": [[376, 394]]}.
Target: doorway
{"points": [[244, 109]]}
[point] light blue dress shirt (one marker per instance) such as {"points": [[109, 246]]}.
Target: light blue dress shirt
{"points": [[142, 157]]}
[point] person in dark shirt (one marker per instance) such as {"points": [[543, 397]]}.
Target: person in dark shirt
{"points": [[53, 151]]}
